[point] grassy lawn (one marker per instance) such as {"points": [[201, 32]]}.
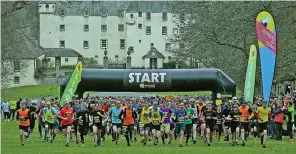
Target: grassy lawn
{"points": [[11, 145], [40, 91], [31, 91]]}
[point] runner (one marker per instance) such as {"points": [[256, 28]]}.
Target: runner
{"points": [[144, 124], [210, 117], [33, 110], [156, 119], [195, 120], [180, 115], [128, 122], [5, 108], [263, 113], [82, 119], [201, 109], [165, 127], [23, 116], [234, 126], [66, 114], [40, 121], [96, 115], [12, 104], [219, 121], [188, 122], [246, 114], [48, 114], [116, 116]]}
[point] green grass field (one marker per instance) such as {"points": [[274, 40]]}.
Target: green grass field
{"points": [[11, 145]]}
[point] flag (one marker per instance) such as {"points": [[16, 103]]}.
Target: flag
{"points": [[266, 34], [72, 84], [250, 75]]}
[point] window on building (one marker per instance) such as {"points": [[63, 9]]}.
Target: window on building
{"points": [[175, 31], [62, 28], [164, 16], [121, 27], [86, 28], [104, 28], [86, 12], [104, 12], [164, 30], [140, 14], [122, 43], [182, 17], [104, 44], [181, 46], [47, 6], [62, 12], [96, 56], [116, 56], [148, 30], [85, 44], [148, 15], [131, 15], [182, 29], [16, 66], [131, 48], [140, 41], [121, 13], [62, 44], [139, 26], [66, 59], [151, 44], [16, 80], [167, 46]]}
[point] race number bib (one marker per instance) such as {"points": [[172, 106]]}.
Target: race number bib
{"points": [[97, 119], [116, 116], [141, 125], [155, 122], [245, 118], [165, 114], [49, 118], [181, 119], [68, 114]]}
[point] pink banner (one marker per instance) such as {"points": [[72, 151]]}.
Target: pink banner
{"points": [[267, 37]]}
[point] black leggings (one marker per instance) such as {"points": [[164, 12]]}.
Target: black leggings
{"points": [[12, 114], [6, 115]]}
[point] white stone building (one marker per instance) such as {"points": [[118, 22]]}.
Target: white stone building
{"points": [[116, 26]]}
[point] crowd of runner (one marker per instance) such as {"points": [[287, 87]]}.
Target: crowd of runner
{"points": [[154, 119]]}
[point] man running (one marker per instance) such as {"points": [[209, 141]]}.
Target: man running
{"points": [[97, 115], [48, 114], [219, 122], [82, 119], [116, 116], [194, 120], [66, 114], [165, 127], [234, 126], [156, 119], [246, 114], [23, 116], [210, 117], [180, 115], [33, 110], [188, 122], [128, 122], [144, 124], [201, 108], [263, 113]]}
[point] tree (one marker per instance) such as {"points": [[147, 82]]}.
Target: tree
{"points": [[219, 34], [19, 36]]}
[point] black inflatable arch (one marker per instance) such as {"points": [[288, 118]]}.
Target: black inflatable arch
{"points": [[154, 80]]}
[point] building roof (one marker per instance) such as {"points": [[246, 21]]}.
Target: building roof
{"points": [[76, 8], [59, 52], [156, 54], [22, 49]]}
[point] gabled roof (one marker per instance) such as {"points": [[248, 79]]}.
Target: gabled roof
{"points": [[22, 49], [75, 8], [59, 52], [156, 54]]}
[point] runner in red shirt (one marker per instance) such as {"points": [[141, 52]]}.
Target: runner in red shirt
{"points": [[66, 114], [105, 108]]}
